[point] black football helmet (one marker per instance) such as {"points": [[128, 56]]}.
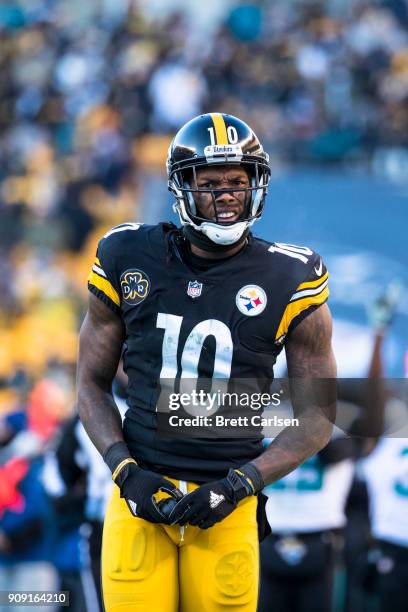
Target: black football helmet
{"points": [[207, 140]]}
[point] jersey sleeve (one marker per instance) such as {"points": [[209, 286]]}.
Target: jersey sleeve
{"points": [[102, 280], [309, 295]]}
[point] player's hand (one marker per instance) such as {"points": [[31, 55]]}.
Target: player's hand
{"points": [[138, 487], [212, 502]]}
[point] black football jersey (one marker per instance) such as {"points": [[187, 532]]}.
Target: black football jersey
{"points": [[228, 321]]}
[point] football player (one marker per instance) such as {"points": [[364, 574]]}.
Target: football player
{"points": [[204, 301]]}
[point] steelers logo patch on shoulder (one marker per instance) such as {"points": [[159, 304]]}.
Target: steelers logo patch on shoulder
{"points": [[135, 285], [251, 300]]}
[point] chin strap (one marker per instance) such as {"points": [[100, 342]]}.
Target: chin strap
{"points": [[201, 241]]}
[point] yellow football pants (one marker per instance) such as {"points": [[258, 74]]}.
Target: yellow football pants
{"points": [[149, 567]]}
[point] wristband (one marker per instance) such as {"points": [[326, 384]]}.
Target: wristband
{"points": [[116, 454], [121, 466], [252, 476]]}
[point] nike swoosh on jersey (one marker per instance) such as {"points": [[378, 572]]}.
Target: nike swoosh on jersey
{"points": [[319, 270]]}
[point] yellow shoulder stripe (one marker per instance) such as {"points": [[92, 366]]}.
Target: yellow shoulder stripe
{"points": [[293, 309], [104, 285], [315, 283], [98, 263], [220, 128]]}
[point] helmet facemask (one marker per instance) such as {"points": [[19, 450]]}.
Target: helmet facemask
{"points": [[181, 183]]}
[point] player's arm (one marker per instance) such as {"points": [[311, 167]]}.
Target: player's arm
{"points": [[100, 346], [312, 372]]}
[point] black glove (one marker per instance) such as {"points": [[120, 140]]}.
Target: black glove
{"points": [[138, 486], [213, 502]]}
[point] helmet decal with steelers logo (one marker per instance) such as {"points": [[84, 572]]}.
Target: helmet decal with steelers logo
{"points": [[135, 285]]}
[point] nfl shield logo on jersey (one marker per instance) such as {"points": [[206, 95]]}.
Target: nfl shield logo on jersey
{"points": [[194, 289]]}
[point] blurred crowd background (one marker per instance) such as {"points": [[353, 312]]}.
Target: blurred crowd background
{"points": [[91, 93], [90, 96]]}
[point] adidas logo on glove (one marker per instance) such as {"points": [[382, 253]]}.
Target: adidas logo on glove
{"points": [[215, 499], [132, 506]]}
